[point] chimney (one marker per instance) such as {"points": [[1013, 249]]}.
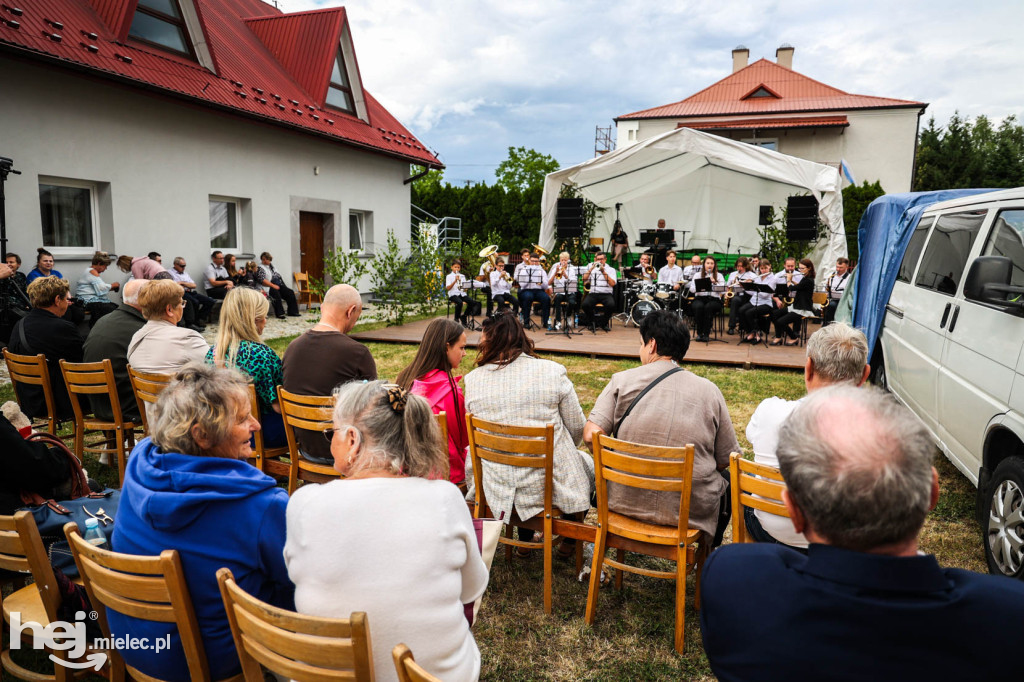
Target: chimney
{"points": [[740, 55], [784, 55]]}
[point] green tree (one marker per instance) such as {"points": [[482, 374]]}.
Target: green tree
{"points": [[524, 169], [855, 202], [970, 154]]}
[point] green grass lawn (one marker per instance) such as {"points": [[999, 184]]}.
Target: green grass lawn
{"points": [[632, 636]]}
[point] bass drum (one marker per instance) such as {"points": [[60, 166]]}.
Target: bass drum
{"points": [[642, 309]]}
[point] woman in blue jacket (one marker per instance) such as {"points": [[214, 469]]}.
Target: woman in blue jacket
{"points": [[189, 488]]}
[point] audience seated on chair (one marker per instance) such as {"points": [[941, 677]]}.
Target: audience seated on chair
{"points": [[387, 540], [835, 354], [110, 338], [430, 375], [189, 488], [683, 408], [93, 292], [511, 385], [28, 466], [864, 603], [325, 357], [162, 347], [43, 331]]}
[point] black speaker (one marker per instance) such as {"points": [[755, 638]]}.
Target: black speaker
{"points": [[801, 219], [764, 216], [569, 218]]}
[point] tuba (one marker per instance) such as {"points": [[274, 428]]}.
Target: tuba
{"points": [[487, 253]]}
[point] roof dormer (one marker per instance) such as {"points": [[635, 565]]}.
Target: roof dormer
{"points": [[760, 91], [174, 26]]}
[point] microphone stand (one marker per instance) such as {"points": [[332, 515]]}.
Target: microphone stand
{"points": [[7, 313]]}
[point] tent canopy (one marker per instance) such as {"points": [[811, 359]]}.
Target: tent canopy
{"points": [[704, 184]]}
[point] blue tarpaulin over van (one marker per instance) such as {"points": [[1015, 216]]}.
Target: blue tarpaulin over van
{"points": [[882, 237]]}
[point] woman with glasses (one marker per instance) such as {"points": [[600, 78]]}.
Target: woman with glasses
{"points": [[161, 346]]}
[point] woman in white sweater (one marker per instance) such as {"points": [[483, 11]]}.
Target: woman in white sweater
{"points": [[161, 346], [387, 539]]}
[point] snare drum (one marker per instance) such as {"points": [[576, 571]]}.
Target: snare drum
{"points": [[665, 291], [642, 309], [646, 291]]}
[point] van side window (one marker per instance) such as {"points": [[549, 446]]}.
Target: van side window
{"points": [[1007, 239], [913, 252], [945, 257]]}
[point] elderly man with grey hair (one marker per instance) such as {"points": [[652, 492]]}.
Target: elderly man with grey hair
{"points": [[864, 603], [325, 357], [109, 338], [836, 354]]}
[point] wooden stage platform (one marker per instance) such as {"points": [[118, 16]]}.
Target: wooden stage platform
{"points": [[622, 342]]}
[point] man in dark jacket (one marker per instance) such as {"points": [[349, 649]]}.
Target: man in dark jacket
{"points": [[43, 331], [109, 339]]}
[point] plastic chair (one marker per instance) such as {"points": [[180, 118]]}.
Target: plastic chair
{"points": [[147, 387], [292, 645], [408, 669], [90, 378], [646, 467], [757, 486]]}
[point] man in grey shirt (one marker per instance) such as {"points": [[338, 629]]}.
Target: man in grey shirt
{"points": [[215, 277]]}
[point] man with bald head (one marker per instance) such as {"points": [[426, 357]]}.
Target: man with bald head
{"points": [[109, 338], [864, 603], [325, 357]]}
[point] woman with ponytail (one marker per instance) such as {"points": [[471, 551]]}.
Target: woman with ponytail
{"points": [[389, 539], [430, 375]]}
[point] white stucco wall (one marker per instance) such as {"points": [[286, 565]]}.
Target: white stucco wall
{"points": [[158, 162]]}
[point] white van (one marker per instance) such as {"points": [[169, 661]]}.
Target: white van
{"points": [[951, 350]]}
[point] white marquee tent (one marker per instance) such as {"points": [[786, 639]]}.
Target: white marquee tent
{"points": [[704, 184]]}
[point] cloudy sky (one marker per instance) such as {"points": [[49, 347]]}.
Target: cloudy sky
{"points": [[474, 77]]}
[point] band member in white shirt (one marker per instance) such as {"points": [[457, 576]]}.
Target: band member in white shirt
{"points": [[524, 260], [532, 285], [485, 277], [643, 270], [706, 304], [601, 279], [501, 288], [454, 285], [693, 269], [562, 280], [835, 286], [785, 279], [759, 311], [743, 273], [671, 273]]}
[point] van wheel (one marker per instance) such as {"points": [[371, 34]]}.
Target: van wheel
{"points": [[1004, 533], [877, 376]]}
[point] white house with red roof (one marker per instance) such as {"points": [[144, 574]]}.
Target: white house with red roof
{"points": [[183, 126], [771, 105]]}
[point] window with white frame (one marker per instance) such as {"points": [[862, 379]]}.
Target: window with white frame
{"points": [[766, 142], [356, 230], [68, 212], [224, 224]]}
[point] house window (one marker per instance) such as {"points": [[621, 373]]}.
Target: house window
{"points": [[339, 92], [355, 231], [68, 211], [160, 23], [760, 92], [766, 142], [224, 224]]}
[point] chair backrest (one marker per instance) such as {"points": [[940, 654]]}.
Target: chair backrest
{"points": [[819, 297], [144, 587], [33, 370], [597, 241], [408, 669], [21, 549], [301, 280], [147, 387], [758, 486], [521, 446], [442, 423], [91, 378], [304, 648], [650, 467], [307, 412]]}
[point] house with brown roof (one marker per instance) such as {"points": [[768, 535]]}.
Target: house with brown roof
{"points": [[183, 126], [770, 105]]}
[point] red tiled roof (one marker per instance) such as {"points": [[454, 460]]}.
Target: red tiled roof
{"points": [[249, 82], [750, 123], [795, 91]]}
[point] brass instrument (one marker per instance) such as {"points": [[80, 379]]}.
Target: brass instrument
{"points": [[788, 300], [488, 253], [540, 250], [649, 271]]}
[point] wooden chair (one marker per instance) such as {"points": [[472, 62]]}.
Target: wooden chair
{"points": [[597, 241], [819, 298], [650, 468], [85, 378], [408, 669], [32, 370], [757, 486], [147, 387], [144, 587], [21, 549], [532, 447], [267, 460], [306, 648], [311, 413], [303, 290]]}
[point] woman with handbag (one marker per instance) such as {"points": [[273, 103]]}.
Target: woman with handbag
{"points": [[430, 375], [388, 540]]}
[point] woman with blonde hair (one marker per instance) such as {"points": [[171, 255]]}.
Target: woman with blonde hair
{"points": [[243, 317], [430, 375], [161, 346], [387, 540]]}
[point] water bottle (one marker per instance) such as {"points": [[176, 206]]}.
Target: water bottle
{"points": [[94, 535]]}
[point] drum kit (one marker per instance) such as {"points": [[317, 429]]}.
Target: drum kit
{"points": [[643, 298]]}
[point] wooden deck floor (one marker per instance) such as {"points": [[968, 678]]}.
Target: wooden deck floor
{"points": [[621, 342]]}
